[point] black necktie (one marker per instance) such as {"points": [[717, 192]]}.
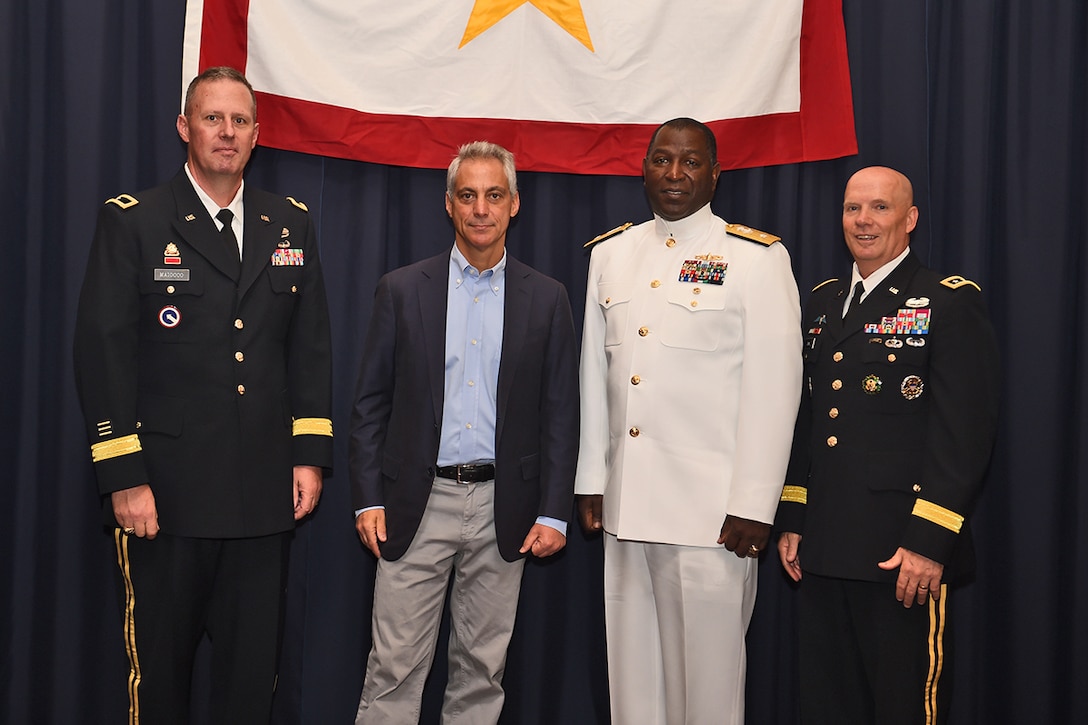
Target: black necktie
{"points": [[855, 298], [225, 216]]}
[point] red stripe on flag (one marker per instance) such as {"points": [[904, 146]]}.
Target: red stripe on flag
{"points": [[822, 129], [224, 34]]}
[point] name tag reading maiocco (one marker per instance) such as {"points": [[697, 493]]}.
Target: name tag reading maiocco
{"points": [[171, 275]]}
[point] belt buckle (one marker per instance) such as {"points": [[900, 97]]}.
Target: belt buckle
{"points": [[458, 467]]}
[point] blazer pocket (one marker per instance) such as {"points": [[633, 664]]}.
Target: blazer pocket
{"points": [[390, 467], [530, 467]]}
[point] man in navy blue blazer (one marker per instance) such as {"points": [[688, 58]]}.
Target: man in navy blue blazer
{"points": [[463, 447]]}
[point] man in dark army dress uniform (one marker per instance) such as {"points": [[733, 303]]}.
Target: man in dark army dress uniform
{"points": [[204, 370], [896, 424]]}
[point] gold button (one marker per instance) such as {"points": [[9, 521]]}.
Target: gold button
{"points": [[916, 488], [836, 385], [832, 441], [694, 303], [238, 324], [169, 289], [670, 242], [643, 331], [656, 283], [635, 380], [139, 424], [633, 432], [696, 291], [837, 357], [294, 288], [833, 413], [239, 356], [891, 357], [241, 390], [607, 300]]}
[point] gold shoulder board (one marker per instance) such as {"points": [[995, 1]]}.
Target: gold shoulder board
{"points": [[752, 235], [826, 281], [610, 233], [298, 203], [123, 200], [956, 281]]}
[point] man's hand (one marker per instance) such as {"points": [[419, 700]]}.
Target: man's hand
{"points": [[589, 512], [134, 509], [307, 489], [371, 527], [919, 577], [543, 541], [789, 544], [744, 537]]}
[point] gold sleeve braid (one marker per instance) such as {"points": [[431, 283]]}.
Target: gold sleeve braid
{"points": [[117, 447], [795, 494], [312, 427]]}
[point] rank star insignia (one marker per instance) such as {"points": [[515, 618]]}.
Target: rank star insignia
{"points": [[871, 384]]}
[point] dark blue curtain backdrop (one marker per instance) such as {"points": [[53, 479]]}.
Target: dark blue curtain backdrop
{"points": [[981, 102]]}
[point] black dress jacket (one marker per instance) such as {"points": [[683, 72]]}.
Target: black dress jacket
{"points": [[206, 378], [896, 424]]}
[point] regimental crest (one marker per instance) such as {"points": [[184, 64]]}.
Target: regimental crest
{"points": [[171, 255]]}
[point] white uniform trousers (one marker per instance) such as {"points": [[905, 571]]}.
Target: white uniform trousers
{"points": [[676, 618], [457, 532]]}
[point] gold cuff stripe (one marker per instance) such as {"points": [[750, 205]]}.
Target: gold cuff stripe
{"points": [[795, 494], [117, 447], [312, 427], [938, 515]]}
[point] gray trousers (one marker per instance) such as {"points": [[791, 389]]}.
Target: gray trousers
{"points": [[457, 533]]}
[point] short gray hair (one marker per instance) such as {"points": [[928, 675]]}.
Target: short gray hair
{"points": [[482, 150], [218, 73]]}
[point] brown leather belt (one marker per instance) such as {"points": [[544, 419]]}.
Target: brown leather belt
{"points": [[467, 472]]}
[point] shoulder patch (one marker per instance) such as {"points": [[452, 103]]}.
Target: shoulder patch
{"points": [[298, 203], [826, 281], [610, 233], [752, 235], [123, 200], [956, 281]]}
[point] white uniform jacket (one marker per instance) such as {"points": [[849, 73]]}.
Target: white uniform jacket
{"points": [[690, 375]]}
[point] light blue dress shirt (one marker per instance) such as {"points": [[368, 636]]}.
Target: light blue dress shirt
{"points": [[475, 312]]}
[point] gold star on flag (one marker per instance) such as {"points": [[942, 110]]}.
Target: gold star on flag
{"points": [[567, 14]]}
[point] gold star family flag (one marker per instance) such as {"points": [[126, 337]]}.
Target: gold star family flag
{"points": [[568, 85]]}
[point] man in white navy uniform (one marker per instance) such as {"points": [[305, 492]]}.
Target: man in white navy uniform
{"points": [[691, 361]]}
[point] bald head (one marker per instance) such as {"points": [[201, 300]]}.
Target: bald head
{"points": [[878, 215]]}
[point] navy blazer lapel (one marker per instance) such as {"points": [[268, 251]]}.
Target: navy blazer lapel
{"points": [[196, 228], [432, 293], [515, 324]]}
